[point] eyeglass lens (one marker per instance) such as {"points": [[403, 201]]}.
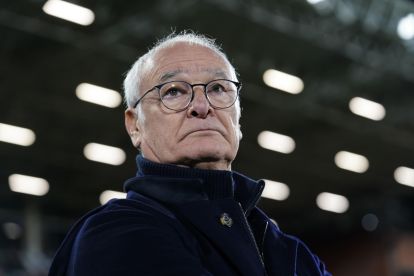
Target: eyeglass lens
{"points": [[177, 95]]}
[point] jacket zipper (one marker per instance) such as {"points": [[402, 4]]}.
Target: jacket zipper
{"points": [[262, 242], [249, 230]]}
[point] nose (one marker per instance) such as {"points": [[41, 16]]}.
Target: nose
{"points": [[199, 107]]}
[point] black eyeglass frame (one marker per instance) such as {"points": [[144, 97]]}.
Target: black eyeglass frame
{"points": [[158, 87]]}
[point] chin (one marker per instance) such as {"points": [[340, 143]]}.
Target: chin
{"points": [[208, 149], [208, 153]]}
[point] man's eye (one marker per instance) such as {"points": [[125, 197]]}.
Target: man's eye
{"points": [[173, 92], [217, 88]]}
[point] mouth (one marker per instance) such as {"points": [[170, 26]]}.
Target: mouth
{"points": [[202, 131]]}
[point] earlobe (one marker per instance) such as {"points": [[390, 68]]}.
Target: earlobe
{"points": [[239, 133], [131, 125], [135, 139]]}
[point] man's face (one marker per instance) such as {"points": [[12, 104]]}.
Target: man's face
{"points": [[199, 136]]}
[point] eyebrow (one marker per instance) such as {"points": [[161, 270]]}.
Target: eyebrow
{"points": [[170, 75], [218, 73]]}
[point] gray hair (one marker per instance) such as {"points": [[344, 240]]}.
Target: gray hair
{"points": [[136, 74]]}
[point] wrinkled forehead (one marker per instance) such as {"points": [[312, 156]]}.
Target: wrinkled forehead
{"points": [[182, 58], [216, 73]]}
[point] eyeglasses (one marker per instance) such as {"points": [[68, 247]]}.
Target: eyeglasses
{"points": [[177, 95]]}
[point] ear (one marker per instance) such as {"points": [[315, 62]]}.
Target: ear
{"points": [[239, 133], [132, 127]]}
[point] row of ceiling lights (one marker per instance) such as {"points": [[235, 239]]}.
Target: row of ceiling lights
{"points": [[343, 159]]}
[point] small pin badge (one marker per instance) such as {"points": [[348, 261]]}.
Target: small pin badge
{"points": [[226, 220]]}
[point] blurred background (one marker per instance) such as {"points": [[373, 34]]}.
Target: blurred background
{"points": [[328, 118]]}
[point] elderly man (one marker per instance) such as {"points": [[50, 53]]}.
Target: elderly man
{"points": [[186, 211]]}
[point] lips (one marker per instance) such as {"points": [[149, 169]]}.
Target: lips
{"points": [[201, 129]]}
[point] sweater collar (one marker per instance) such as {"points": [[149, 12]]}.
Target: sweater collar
{"points": [[173, 184], [217, 183]]}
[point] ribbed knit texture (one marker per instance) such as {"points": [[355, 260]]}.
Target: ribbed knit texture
{"points": [[217, 183]]}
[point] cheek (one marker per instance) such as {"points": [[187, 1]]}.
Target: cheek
{"points": [[234, 130], [159, 129], [154, 132], [236, 123]]}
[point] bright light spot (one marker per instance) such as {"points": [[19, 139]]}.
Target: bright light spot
{"points": [[283, 81], [369, 222], [276, 142], [404, 176], [351, 161], [69, 12], [405, 27], [98, 95], [367, 108], [332, 202], [104, 154], [16, 135], [108, 195], [314, 2], [28, 184], [12, 230], [275, 190]]}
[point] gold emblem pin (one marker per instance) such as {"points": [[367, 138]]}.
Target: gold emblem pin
{"points": [[226, 220]]}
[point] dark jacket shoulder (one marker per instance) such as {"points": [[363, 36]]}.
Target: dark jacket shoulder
{"points": [[128, 237]]}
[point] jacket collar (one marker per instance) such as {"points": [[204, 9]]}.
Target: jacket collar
{"points": [[175, 185]]}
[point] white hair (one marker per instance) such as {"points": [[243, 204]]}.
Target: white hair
{"points": [[142, 65]]}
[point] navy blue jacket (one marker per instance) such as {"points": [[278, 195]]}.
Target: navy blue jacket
{"points": [[184, 225]]}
